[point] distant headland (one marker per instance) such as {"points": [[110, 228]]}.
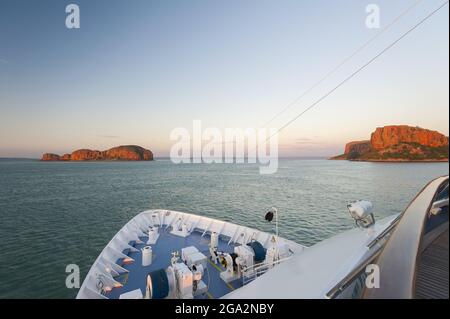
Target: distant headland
{"points": [[119, 153], [399, 143]]}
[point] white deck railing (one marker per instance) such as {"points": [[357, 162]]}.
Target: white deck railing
{"points": [[251, 273]]}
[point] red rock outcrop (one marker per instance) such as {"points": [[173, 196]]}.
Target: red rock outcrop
{"points": [[387, 136], [86, 155], [119, 153], [359, 147], [130, 153], [50, 157], [65, 157], [399, 143]]}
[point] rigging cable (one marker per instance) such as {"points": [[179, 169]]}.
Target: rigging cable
{"points": [[358, 70], [343, 62]]}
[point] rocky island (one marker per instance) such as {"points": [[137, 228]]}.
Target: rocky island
{"points": [[119, 153], [399, 143]]}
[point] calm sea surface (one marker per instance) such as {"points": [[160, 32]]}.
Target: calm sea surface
{"points": [[55, 214]]}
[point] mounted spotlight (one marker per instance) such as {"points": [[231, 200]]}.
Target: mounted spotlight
{"points": [[269, 217], [362, 212]]}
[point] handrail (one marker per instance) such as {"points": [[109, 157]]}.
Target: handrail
{"points": [[386, 231], [398, 259], [264, 267], [347, 280]]}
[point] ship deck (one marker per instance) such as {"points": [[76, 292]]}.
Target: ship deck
{"points": [[162, 254], [432, 276], [433, 271]]}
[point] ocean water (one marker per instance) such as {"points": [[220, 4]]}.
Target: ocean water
{"points": [[54, 214]]}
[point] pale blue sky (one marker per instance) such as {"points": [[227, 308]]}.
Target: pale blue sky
{"points": [[137, 69]]}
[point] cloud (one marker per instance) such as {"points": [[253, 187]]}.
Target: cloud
{"points": [[3, 61], [298, 146], [306, 141]]}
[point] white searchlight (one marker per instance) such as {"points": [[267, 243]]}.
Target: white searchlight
{"points": [[362, 212]]}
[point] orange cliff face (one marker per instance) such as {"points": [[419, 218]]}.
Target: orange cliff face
{"points": [[399, 143], [86, 155], [388, 136], [50, 157], [120, 153], [133, 153], [358, 146]]}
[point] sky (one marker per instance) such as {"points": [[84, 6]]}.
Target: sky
{"points": [[135, 70]]}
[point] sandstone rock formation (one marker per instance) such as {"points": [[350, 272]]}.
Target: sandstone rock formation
{"points": [[50, 157], [387, 136], [119, 153], [86, 155], [358, 147], [133, 153], [399, 143], [66, 157]]}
